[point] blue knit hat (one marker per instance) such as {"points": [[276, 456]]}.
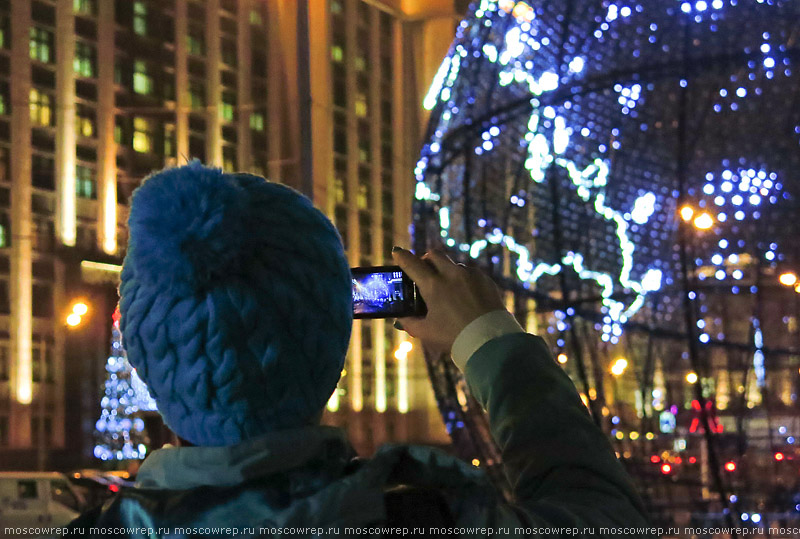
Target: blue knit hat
{"points": [[236, 303]]}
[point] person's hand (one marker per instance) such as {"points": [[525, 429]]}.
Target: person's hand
{"points": [[454, 294]]}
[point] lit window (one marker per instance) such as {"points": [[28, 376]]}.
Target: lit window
{"points": [[228, 106], [257, 121], [336, 7], [255, 17], [337, 53], [85, 125], [4, 235], [339, 188], [142, 81], [41, 108], [140, 18], [5, 32], [363, 197], [142, 135], [360, 63], [85, 185], [41, 45], [361, 105], [83, 7], [83, 62], [3, 102]]}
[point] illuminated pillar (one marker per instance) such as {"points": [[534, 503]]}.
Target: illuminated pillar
{"points": [[244, 98], [181, 81], [402, 383], [322, 97], [354, 371], [380, 365], [21, 229], [65, 123], [213, 85], [106, 145]]}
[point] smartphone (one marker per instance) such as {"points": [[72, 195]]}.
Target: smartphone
{"points": [[385, 292]]}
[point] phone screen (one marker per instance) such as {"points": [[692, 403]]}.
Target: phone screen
{"points": [[382, 292]]}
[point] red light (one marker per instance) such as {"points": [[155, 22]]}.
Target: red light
{"points": [[113, 488], [654, 459], [779, 456], [692, 460], [730, 466], [666, 468], [678, 460]]}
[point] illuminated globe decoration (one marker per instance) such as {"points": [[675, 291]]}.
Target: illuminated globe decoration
{"points": [[120, 431], [570, 141]]}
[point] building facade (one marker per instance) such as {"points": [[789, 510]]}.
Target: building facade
{"points": [[322, 95]]}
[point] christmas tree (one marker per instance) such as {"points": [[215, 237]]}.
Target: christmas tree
{"points": [[119, 432]]}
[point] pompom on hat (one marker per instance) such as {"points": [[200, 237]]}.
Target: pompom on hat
{"points": [[236, 303]]}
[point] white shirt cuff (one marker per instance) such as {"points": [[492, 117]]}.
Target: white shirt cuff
{"points": [[480, 331]]}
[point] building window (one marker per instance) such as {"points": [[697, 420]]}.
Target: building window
{"points": [[197, 95], [142, 81], [4, 360], [140, 17], [142, 135], [170, 141], [84, 7], [361, 105], [41, 108], [84, 121], [228, 106], [336, 7], [256, 18], [84, 61], [337, 53], [5, 32], [340, 188], [257, 121], [4, 99], [195, 42], [228, 52], [5, 230], [41, 45], [85, 184]]}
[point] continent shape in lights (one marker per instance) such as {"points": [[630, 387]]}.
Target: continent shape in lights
{"points": [[506, 46]]}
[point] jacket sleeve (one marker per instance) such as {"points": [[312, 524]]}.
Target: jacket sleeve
{"points": [[560, 465]]}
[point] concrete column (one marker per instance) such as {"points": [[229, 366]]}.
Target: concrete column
{"points": [[65, 123], [181, 81], [21, 228], [322, 101], [213, 85], [244, 86], [106, 145]]}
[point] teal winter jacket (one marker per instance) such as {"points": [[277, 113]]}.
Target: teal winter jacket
{"points": [[565, 478]]}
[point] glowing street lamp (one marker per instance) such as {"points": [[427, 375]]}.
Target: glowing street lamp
{"points": [[79, 309], [704, 221], [788, 279], [687, 212], [691, 378], [562, 358], [619, 366]]}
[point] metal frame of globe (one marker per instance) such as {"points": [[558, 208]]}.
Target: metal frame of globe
{"points": [[472, 163]]}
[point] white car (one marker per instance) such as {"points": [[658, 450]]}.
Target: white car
{"points": [[36, 501]]}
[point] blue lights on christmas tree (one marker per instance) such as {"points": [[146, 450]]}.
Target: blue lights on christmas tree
{"points": [[120, 433]]}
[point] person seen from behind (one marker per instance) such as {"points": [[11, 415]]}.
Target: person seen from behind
{"points": [[236, 310]]}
